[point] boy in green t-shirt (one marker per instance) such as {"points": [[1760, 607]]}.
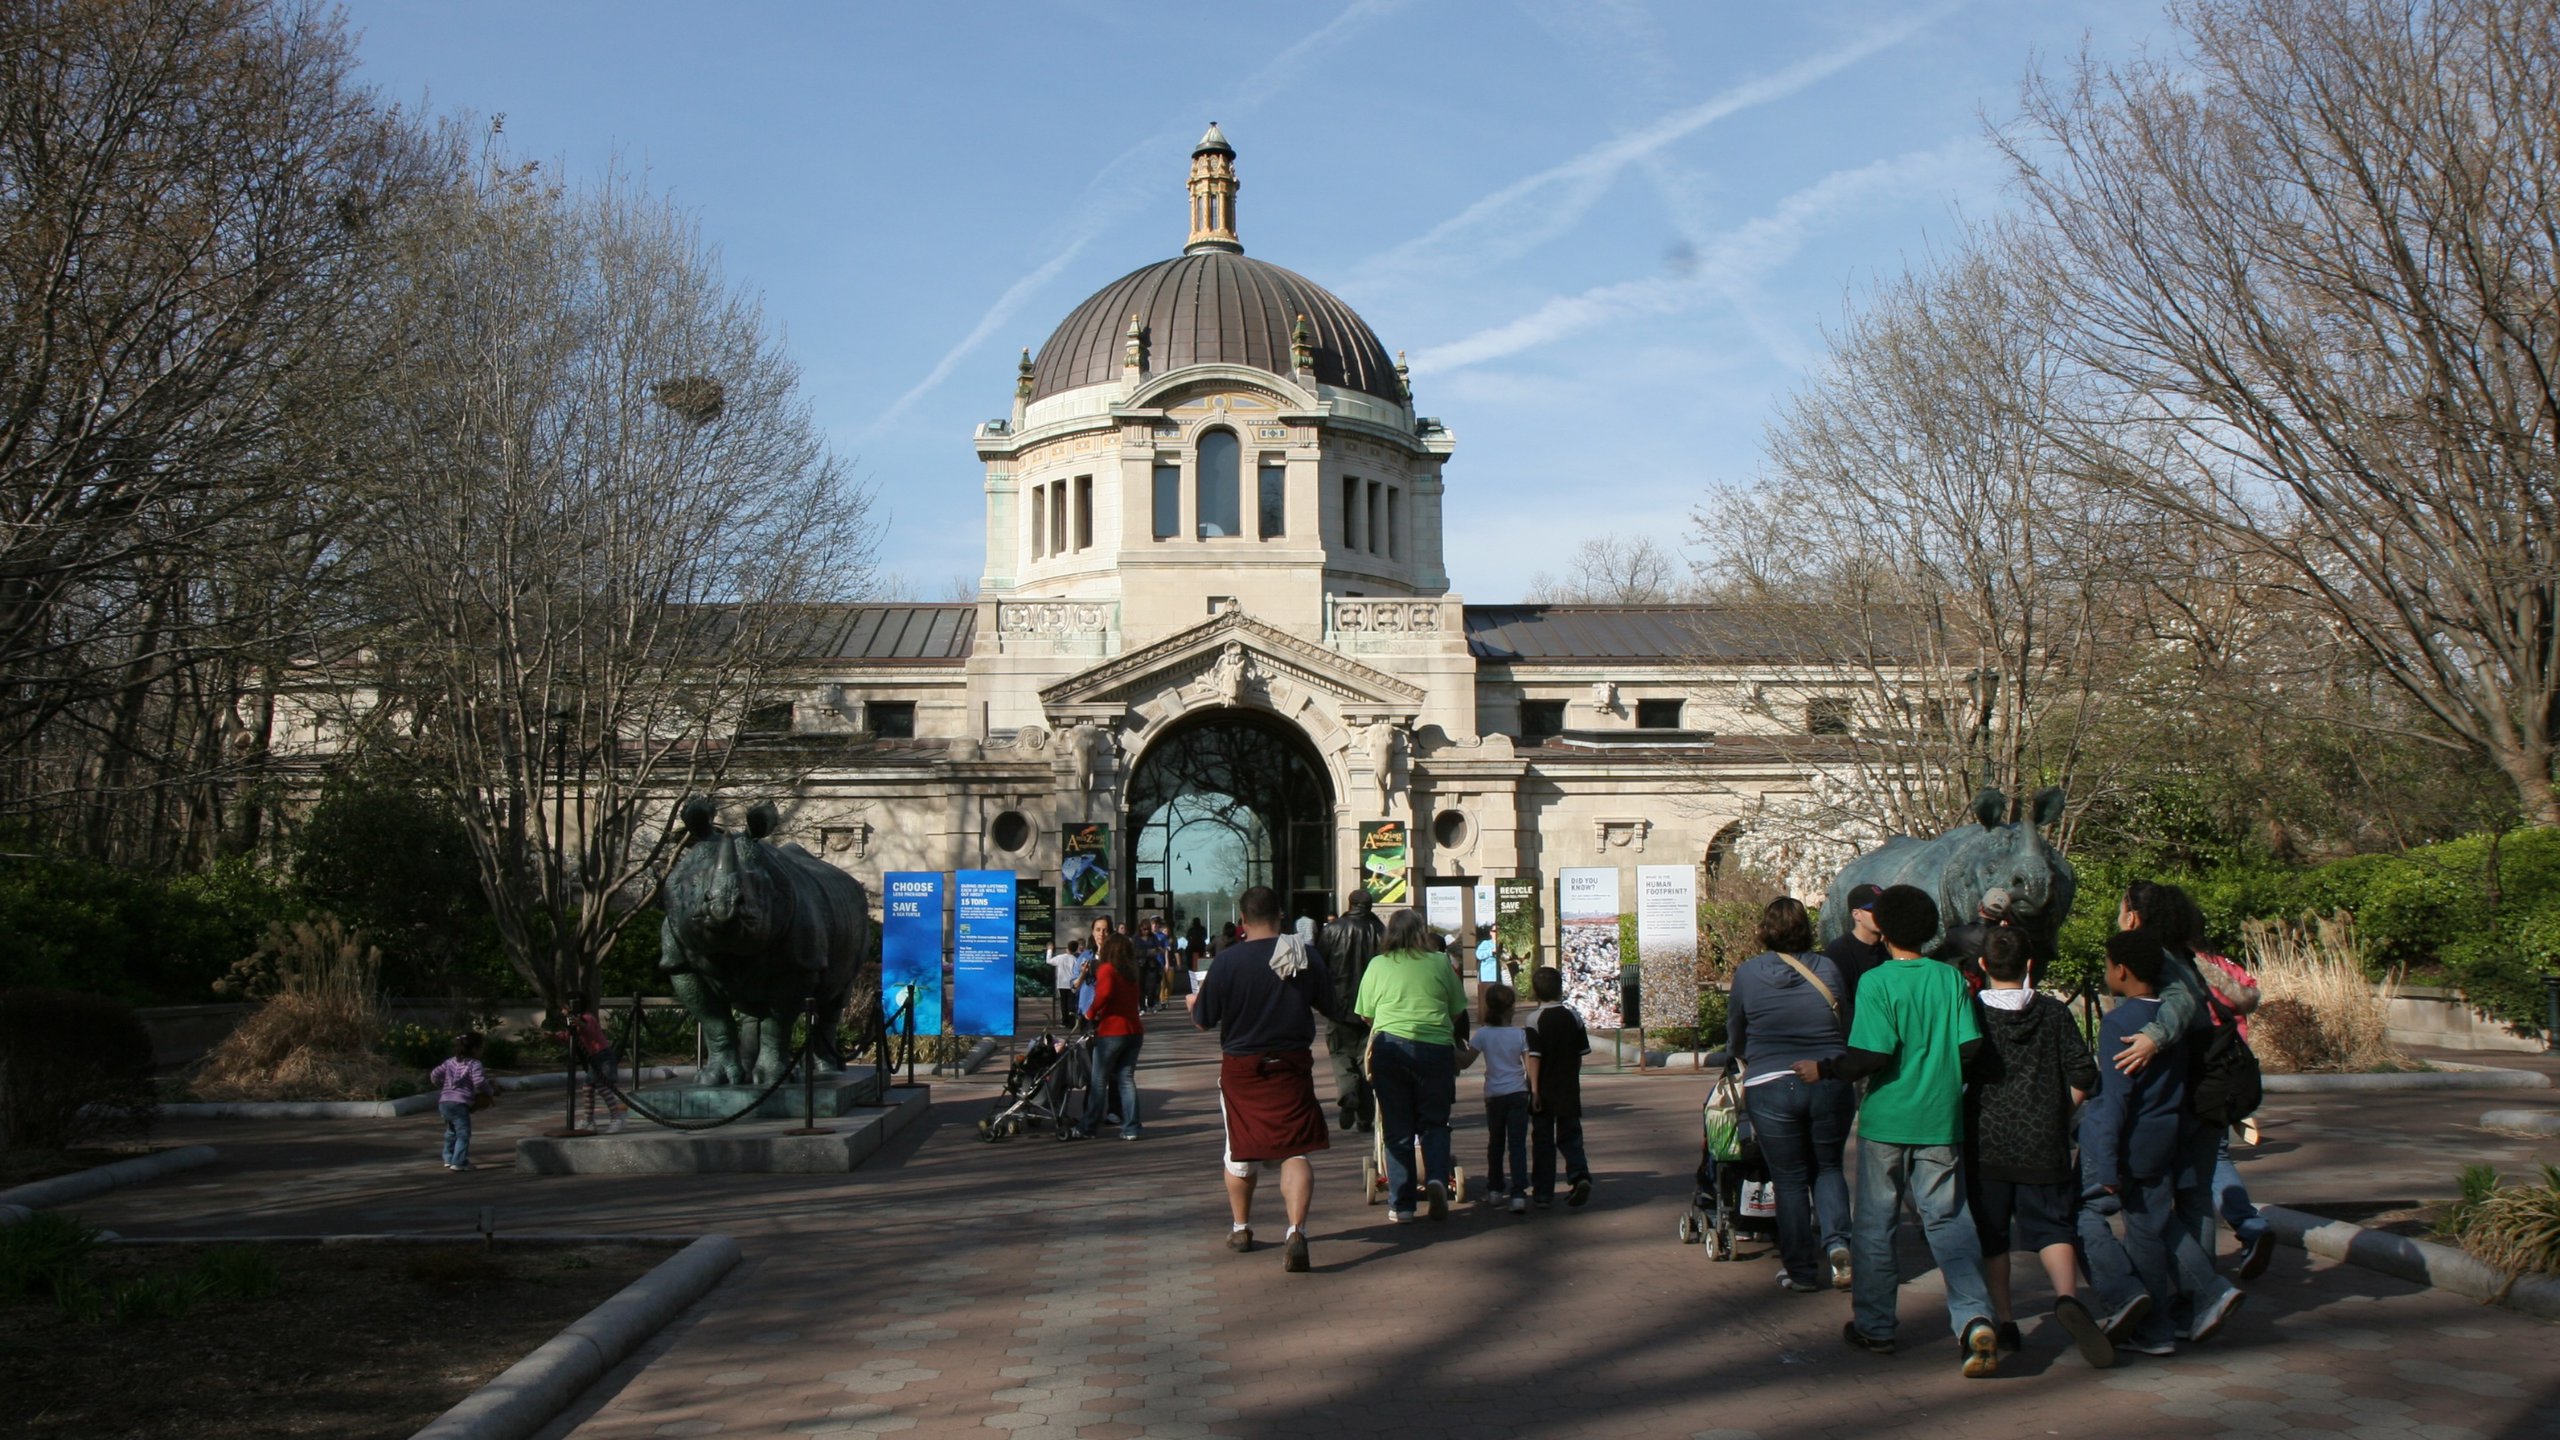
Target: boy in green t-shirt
{"points": [[1914, 1032]]}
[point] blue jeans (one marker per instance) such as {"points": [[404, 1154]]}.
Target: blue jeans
{"points": [[1506, 1131], [1115, 1077], [1804, 1135], [2112, 1281], [1417, 1084], [2193, 1184], [2231, 1197], [1549, 1133], [2165, 1254], [457, 1130], [1926, 1175]]}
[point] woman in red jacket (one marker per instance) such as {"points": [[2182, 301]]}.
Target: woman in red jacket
{"points": [[1118, 1033]]}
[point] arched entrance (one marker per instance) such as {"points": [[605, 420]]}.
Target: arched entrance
{"points": [[1228, 800]]}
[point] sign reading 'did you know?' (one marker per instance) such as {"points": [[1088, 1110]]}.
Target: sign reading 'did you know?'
{"points": [[982, 953], [911, 947]]}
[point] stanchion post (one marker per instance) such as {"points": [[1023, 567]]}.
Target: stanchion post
{"points": [[569, 1120], [911, 1039], [809, 1077]]}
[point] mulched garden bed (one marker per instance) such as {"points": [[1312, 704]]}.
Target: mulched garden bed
{"points": [[355, 1341]]}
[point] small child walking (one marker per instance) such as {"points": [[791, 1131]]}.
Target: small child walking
{"points": [[461, 1084], [1505, 1048], [1557, 1042]]}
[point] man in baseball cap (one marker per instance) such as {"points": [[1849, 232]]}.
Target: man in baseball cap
{"points": [[1859, 949]]}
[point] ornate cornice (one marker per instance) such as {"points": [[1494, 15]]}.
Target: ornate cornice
{"points": [[1181, 658]]}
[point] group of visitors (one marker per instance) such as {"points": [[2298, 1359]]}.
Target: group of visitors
{"points": [[1400, 1032], [1978, 1088]]}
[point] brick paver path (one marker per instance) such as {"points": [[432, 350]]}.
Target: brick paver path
{"points": [[1040, 1290]]}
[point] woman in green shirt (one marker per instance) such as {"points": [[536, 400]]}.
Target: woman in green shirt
{"points": [[1413, 1002]]}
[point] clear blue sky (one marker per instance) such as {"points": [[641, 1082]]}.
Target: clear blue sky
{"points": [[1610, 233]]}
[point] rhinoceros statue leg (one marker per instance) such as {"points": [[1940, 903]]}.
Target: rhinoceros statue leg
{"points": [[771, 1039], [720, 1062]]}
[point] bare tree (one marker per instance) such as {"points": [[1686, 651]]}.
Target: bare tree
{"points": [[1613, 570], [1920, 547], [603, 510], [190, 193], [2316, 261]]}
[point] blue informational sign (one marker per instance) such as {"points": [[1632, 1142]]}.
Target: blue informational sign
{"points": [[911, 947], [982, 954]]}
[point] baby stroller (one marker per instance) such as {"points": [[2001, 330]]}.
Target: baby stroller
{"points": [[1733, 1195], [1043, 1085]]}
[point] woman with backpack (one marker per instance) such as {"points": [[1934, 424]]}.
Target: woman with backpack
{"points": [[1786, 1008]]}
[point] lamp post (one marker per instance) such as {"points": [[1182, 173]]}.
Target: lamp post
{"points": [[561, 938]]}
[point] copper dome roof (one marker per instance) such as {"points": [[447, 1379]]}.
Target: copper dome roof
{"points": [[1211, 307]]}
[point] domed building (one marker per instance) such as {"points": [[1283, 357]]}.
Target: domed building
{"points": [[1215, 619]]}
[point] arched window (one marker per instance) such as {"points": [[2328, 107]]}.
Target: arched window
{"points": [[1219, 496]]}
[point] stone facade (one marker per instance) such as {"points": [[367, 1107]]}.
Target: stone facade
{"points": [[1238, 534]]}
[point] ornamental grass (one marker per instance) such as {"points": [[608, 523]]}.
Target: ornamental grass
{"points": [[313, 1037], [2320, 1012]]}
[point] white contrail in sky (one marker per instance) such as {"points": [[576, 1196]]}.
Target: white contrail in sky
{"points": [[1730, 263], [1531, 211], [1118, 188]]}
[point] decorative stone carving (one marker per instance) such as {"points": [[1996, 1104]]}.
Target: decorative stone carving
{"points": [[852, 841], [1417, 617], [1053, 617], [1231, 672], [1379, 739], [1620, 834]]}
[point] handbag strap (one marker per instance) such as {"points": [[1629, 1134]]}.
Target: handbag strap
{"points": [[1814, 980]]}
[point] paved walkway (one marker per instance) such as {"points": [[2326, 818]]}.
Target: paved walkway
{"points": [[1041, 1290]]}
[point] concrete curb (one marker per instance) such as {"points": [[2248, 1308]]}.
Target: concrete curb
{"points": [[554, 1079], [417, 1104], [2419, 1262], [530, 1392], [98, 1179], [2485, 1077], [2526, 1122], [297, 1109]]}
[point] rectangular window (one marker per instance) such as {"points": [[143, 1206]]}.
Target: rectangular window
{"points": [[1275, 501], [1657, 714], [1828, 715], [1058, 517], [1374, 528], [1540, 719], [1218, 485], [1168, 501], [891, 719], [770, 719], [1084, 512], [1350, 512], [1039, 522], [1395, 524]]}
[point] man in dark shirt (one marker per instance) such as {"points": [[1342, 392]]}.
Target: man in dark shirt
{"points": [[1349, 944], [1859, 949], [1262, 995]]}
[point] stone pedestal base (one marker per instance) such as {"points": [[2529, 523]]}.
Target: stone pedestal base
{"points": [[835, 1094], [748, 1147]]}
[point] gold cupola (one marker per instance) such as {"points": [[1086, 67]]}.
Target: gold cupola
{"points": [[1213, 195]]}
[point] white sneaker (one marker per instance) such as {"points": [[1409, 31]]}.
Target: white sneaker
{"points": [[2208, 1322], [1519, 1204]]}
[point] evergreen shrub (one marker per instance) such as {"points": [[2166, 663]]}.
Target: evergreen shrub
{"points": [[73, 1067]]}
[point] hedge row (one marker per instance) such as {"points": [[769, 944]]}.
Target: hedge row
{"points": [[2481, 913]]}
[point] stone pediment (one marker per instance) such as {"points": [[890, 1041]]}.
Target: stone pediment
{"points": [[1230, 653]]}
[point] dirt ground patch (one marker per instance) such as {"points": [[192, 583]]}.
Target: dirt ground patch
{"points": [[354, 1341]]}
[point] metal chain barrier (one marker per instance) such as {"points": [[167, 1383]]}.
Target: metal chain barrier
{"points": [[881, 1068]]}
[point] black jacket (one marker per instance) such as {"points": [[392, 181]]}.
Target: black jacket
{"points": [[2018, 1108]]}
